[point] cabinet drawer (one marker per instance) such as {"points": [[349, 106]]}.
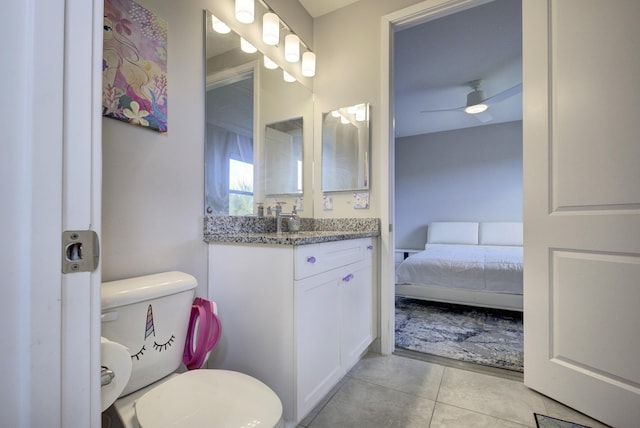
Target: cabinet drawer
{"points": [[317, 258]]}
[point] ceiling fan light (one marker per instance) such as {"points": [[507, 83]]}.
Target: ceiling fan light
{"points": [[270, 29], [476, 108], [292, 48], [219, 26], [475, 102], [244, 11]]}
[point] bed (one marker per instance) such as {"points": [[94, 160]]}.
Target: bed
{"points": [[471, 263]]}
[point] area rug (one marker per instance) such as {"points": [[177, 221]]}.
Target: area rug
{"points": [[543, 421], [490, 337]]}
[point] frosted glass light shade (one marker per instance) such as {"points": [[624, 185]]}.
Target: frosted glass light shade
{"points": [[269, 63], [219, 26], [475, 109], [270, 29], [308, 64], [244, 11], [292, 48], [246, 46], [287, 77]]}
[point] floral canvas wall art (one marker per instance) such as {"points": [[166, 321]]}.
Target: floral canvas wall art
{"points": [[134, 65]]}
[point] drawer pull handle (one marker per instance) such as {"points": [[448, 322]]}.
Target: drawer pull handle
{"points": [[369, 247], [311, 259], [348, 278]]}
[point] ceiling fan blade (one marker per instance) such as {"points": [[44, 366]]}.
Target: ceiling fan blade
{"points": [[483, 117], [507, 93], [443, 110]]}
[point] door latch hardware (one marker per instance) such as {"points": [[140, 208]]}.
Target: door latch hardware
{"points": [[80, 251]]}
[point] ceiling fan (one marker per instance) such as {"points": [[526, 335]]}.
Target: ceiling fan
{"points": [[477, 104]]}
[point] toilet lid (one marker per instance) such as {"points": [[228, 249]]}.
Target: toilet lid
{"points": [[209, 398]]}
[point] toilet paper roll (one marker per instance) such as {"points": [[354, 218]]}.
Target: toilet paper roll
{"points": [[116, 358]]}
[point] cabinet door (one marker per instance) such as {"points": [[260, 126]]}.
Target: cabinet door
{"points": [[318, 338], [357, 312]]}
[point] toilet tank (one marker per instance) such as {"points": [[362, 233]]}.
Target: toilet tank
{"points": [[149, 315]]}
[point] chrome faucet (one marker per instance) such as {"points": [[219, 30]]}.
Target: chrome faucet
{"points": [[280, 215]]}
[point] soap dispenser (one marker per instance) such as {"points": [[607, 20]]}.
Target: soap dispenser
{"points": [[293, 221]]}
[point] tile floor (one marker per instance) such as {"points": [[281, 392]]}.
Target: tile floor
{"points": [[397, 392]]}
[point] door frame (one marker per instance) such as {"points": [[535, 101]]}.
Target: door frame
{"points": [[419, 13], [52, 162], [81, 210]]}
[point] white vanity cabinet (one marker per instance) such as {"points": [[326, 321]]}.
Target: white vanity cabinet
{"points": [[295, 317], [334, 311]]}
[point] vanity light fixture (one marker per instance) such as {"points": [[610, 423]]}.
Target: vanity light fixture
{"points": [[308, 64], [219, 26], [246, 46], [292, 48], [335, 113], [245, 11], [343, 120], [287, 77], [269, 63], [270, 28]]}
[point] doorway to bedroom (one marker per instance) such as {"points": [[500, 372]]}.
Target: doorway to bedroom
{"points": [[458, 185]]}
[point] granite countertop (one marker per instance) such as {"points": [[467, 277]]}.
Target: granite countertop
{"points": [[289, 238], [246, 230]]}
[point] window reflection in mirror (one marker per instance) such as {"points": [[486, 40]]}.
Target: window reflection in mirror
{"points": [[229, 153], [283, 158], [345, 149]]}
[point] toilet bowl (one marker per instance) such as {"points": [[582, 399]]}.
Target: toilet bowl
{"points": [[149, 315]]}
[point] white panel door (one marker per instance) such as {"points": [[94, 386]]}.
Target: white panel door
{"points": [[582, 205]]}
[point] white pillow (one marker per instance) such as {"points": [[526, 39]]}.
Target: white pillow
{"points": [[501, 233], [465, 233]]}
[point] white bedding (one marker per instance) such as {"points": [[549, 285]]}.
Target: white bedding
{"points": [[489, 268]]}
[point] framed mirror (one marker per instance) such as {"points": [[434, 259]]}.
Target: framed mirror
{"points": [[346, 148], [283, 158]]}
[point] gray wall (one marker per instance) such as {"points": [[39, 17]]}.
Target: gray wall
{"points": [[474, 174]]}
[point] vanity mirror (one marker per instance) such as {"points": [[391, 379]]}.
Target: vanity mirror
{"points": [[283, 157], [345, 149], [259, 132]]}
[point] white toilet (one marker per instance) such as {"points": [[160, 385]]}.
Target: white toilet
{"points": [[149, 315]]}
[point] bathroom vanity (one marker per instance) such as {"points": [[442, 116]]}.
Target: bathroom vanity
{"points": [[296, 309]]}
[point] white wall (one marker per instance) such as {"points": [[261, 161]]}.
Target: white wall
{"points": [[472, 174], [153, 184], [348, 47]]}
